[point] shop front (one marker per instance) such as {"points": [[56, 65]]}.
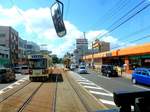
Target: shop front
{"points": [[139, 61]]}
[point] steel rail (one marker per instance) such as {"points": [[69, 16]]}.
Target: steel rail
{"points": [[14, 92], [81, 99], [29, 99], [55, 95]]}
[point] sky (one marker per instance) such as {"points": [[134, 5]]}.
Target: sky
{"points": [[32, 19]]}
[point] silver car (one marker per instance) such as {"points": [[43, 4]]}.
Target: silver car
{"points": [[82, 69]]}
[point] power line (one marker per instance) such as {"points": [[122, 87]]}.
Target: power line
{"points": [[124, 21], [127, 13], [110, 11], [13, 3], [136, 33], [133, 41]]}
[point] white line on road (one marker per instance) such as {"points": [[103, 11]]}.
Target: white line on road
{"points": [[11, 85], [93, 87], [141, 87], [104, 77], [101, 93], [107, 102], [83, 81], [86, 83]]}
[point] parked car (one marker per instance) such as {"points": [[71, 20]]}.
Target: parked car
{"points": [[72, 67], [82, 69], [141, 75], [109, 70], [7, 75], [24, 70], [17, 69]]}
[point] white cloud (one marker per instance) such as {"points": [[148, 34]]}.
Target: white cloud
{"points": [[39, 21]]}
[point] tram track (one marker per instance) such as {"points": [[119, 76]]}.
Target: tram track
{"points": [[14, 92], [79, 96], [27, 101]]}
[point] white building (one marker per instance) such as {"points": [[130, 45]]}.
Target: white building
{"points": [[81, 49]]}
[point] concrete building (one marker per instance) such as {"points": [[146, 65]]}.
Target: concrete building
{"points": [[4, 56], [9, 39], [22, 55], [81, 49], [100, 46], [32, 48]]}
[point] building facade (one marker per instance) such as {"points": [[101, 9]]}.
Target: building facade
{"points": [[127, 58], [81, 49], [9, 39], [4, 57], [22, 56], [32, 48]]}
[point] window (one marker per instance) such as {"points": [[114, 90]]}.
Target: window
{"points": [[138, 72], [144, 72], [2, 35]]}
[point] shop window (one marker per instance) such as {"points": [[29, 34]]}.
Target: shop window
{"points": [[134, 63]]}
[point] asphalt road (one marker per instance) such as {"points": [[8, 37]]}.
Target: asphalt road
{"points": [[103, 87], [18, 77]]}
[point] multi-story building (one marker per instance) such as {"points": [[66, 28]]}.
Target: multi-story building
{"points": [[32, 48], [99, 46], [4, 56], [81, 49], [22, 56], [9, 39]]}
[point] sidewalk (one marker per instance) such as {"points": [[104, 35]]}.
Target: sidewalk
{"points": [[126, 75]]}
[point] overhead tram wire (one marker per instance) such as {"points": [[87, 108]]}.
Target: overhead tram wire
{"points": [[119, 9], [13, 3], [139, 4], [67, 9], [116, 27]]}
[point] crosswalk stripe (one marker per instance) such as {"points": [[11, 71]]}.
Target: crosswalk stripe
{"points": [[93, 87], [101, 93], [86, 83], [107, 102]]}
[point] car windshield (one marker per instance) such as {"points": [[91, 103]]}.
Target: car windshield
{"points": [[82, 67], [24, 67], [37, 63]]}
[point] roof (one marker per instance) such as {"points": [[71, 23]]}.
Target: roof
{"points": [[133, 50]]}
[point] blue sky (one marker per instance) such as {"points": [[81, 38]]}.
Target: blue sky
{"points": [[32, 19]]}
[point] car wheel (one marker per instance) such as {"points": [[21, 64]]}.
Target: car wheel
{"points": [[134, 81]]}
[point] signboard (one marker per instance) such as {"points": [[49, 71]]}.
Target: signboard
{"points": [[140, 57], [81, 41], [96, 44], [37, 56]]}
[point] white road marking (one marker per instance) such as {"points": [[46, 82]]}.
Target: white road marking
{"points": [[83, 81], [107, 102], [93, 87], [12, 85], [86, 83], [101, 93], [141, 87], [104, 77], [1, 92]]}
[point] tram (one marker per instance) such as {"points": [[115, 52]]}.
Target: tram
{"points": [[40, 67]]}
